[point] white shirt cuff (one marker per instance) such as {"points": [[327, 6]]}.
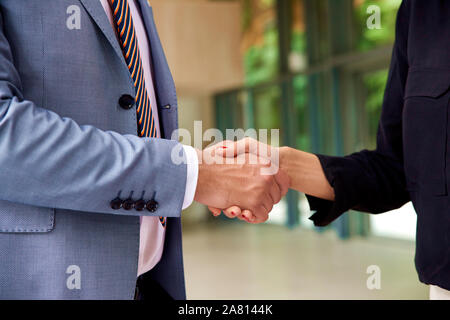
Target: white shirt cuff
{"points": [[192, 175]]}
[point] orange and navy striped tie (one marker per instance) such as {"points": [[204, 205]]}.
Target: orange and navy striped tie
{"points": [[130, 49]]}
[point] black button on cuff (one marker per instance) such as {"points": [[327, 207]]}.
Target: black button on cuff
{"points": [[126, 101], [116, 204], [152, 206], [139, 205], [128, 204]]}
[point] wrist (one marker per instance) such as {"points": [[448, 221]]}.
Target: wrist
{"points": [[297, 165], [284, 154]]}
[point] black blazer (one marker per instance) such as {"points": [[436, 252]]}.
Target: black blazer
{"points": [[412, 159]]}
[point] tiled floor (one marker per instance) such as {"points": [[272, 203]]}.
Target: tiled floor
{"points": [[237, 261]]}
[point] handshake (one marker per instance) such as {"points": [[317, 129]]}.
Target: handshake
{"points": [[243, 179]]}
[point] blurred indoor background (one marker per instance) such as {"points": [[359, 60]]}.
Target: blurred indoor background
{"points": [[314, 70]]}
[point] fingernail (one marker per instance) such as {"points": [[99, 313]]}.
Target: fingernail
{"points": [[223, 147], [232, 213]]}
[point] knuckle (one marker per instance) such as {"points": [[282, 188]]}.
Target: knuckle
{"points": [[268, 181]]}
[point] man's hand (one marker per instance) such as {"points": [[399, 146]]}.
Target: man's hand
{"points": [[240, 182]]}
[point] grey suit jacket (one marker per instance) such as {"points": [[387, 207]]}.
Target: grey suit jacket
{"points": [[68, 148]]}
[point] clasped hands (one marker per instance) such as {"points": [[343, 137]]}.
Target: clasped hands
{"points": [[241, 179]]}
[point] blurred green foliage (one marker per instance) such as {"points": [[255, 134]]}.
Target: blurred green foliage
{"points": [[303, 140], [261, 64], [261, 61], [267, 101]]}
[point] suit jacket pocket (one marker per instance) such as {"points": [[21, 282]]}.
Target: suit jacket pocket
{"points": [[425, 128], [19, 218]]}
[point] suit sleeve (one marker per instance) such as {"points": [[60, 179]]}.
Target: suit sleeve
{"points": [[53, 162], [373, 181]]}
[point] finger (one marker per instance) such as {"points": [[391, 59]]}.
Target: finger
{"points": [[250, 145], [260, 210], [248, 216], [262, 216], [222, 146], [241, 217], [216, 212], [267, 204], [275, 192], [232, 149], [284, 182], [226, 149], [233, 211], [247, 145]]}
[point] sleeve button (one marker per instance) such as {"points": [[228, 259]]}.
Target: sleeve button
{"points": [[116, 204], [152, 206], [139, 205], [128, 204]]}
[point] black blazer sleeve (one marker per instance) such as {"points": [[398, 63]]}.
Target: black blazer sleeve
{"points": [[373, 181]]}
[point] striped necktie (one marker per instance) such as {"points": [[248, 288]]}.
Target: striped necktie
{"points": [[130, 49]]}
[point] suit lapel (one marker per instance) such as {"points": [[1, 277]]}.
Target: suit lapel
{"points": [[97, 13]]}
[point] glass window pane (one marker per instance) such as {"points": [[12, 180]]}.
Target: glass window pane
{"points": [[260, 41]]}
